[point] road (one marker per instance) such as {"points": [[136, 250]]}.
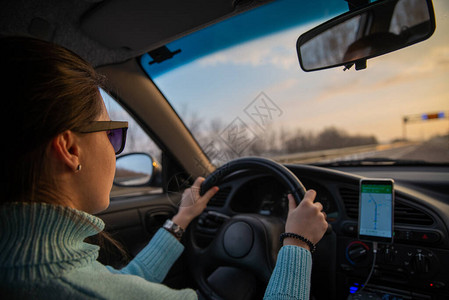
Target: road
{"points": [[433, 150]]}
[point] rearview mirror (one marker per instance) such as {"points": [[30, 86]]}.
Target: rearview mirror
{"points": [[377, 29]]}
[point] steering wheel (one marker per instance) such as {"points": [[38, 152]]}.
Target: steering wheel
{"points": [[247, 241]]}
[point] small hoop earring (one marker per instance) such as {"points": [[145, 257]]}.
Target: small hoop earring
{"points": [[78, 168]]}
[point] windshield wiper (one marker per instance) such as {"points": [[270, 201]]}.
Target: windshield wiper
{"points": [[376, 161]]}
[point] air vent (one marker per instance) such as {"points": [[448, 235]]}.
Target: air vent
{"points": [[403, 214], [219, 199], [351, 200]]}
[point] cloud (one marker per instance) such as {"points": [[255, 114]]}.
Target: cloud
{"points": [[435, 60], [277, 50], [392, 70], [283, 86], [257, 54]]}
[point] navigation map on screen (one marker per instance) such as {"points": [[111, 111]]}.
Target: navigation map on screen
{"points": [[376, 210]]}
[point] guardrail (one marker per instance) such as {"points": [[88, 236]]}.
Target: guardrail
{"points": [[331, 154]]}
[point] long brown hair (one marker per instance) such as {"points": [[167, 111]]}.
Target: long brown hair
{"points": [[46, 90]]}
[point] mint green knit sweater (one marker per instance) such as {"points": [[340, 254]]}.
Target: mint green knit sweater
{"points": [[43, 256]]}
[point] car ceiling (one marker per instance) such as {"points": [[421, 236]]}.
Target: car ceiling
{"points": [[106, 32]]}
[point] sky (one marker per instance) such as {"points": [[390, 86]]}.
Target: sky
{"points": [[374, 101]]}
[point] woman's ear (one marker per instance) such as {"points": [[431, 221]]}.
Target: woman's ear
{"points": [[66, 148]]}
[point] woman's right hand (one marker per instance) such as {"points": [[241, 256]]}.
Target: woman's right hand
{"points": [[306, 219]]}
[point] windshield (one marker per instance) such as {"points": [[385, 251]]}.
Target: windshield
{"points": [[238, 87]]}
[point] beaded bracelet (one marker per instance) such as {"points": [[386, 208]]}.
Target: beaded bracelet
{"points": [[298, 237]]}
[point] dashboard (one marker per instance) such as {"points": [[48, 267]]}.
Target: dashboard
{"points": [[414, 266], [265, 196]]}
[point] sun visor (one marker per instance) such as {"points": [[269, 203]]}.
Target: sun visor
{"points": [[144, 25]]}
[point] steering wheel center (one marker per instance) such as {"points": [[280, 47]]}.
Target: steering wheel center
{"points": [[238, 239]]}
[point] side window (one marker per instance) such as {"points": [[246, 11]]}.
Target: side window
{"points": [[137, 141]]}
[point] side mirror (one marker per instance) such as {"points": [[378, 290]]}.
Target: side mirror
{"points": [[137, 169], [376, 29]]}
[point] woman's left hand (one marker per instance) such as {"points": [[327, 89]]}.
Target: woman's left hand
{"points": [[192, 204]]}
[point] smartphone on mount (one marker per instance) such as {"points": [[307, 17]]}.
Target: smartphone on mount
{"points": [[376, 210]]}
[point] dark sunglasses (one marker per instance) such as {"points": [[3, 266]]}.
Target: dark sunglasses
{"points": [[116, 131]]}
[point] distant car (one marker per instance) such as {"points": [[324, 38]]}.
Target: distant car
{"points": [[204, 83]]}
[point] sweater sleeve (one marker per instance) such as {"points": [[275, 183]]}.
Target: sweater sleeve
{"points": [[156, 259], [291, 275]]}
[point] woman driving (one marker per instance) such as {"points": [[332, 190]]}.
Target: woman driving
{"points": [[58, 164]]}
